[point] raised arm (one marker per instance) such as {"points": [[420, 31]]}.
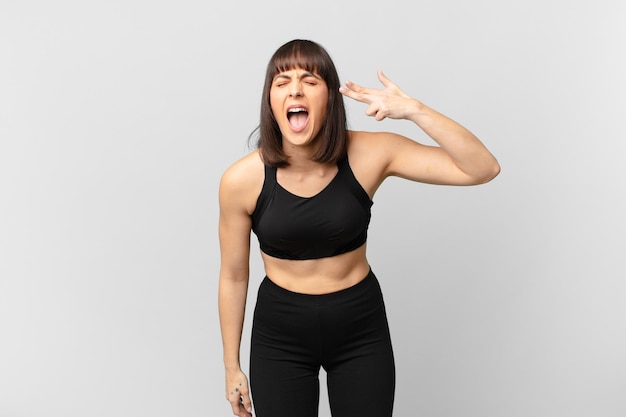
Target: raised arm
{"points": [[460, 159], [234, 235]]}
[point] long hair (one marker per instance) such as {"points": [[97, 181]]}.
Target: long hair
{"points": [[333, 134]]}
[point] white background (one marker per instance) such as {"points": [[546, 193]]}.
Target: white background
{"points": [[117, 119]]}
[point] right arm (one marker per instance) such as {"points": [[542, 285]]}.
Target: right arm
{"points": [[234, 235]]}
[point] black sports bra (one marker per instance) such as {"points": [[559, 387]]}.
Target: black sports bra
{"points": [[330, 223]]}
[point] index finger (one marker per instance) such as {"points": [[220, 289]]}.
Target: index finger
{"points": [[239, 410], [355, 92], [246, 402]]}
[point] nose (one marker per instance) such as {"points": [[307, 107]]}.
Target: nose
{"points": [[296, 90]]}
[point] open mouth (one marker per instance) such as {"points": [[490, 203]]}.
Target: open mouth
{"points": [[298, 117]]}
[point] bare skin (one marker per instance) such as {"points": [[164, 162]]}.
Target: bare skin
{"points": [[460, 159]]}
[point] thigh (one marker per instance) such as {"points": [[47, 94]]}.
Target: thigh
{"points": [[365, 384], [281, 386], [360, 363], [284, 364]]}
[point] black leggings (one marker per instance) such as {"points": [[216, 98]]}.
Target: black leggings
{"points": [[346, 332]]}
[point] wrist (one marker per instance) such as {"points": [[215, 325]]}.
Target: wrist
{"points": [[416, 111], [232, 367], [422, 115]]}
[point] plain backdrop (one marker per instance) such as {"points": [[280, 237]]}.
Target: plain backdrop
{"points": [[117, 119]]}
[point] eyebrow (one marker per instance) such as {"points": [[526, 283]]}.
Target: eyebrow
{"points": [[304, 75]]}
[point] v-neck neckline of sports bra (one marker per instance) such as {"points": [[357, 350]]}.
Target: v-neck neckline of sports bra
{"points": [[327, 186]]}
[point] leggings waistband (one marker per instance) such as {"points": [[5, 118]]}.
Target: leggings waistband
{"points": [[267, 285]]}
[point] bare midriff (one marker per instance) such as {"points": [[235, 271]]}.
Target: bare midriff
{"points": [[318, 276]]}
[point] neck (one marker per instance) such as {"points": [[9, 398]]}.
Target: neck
{"points": [[301, 157], [305, 164]]}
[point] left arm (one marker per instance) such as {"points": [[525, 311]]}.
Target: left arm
{"points": [[460, 158]]}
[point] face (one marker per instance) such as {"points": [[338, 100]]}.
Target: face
{"points": [[299, 100]]}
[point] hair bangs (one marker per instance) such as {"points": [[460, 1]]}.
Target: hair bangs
{"points": [[300, 55]]}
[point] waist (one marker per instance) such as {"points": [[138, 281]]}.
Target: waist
{"points": [[318, 276], [354, 292]]}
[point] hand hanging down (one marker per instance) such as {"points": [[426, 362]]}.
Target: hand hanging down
{"points": [[238, 393]]}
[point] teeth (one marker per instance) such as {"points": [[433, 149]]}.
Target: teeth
{"points": [[296, 110]]}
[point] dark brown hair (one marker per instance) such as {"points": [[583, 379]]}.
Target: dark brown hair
{"points": [[311, 57]]}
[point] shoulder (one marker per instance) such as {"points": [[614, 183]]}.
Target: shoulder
{"points": [[368, 157], [372, 155], [242, 181]]}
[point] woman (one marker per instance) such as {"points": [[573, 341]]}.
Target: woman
{"points": [[306, 192]]}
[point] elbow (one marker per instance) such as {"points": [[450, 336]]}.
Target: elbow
{"points": [[487, 174], [235, 276], [491, 173]]}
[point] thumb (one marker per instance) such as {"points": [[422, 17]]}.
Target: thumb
{"points": [[384, 80]]}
